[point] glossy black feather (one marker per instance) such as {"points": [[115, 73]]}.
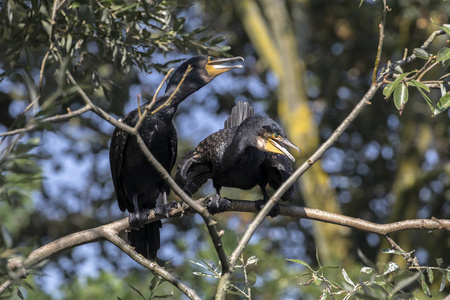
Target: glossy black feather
{"points": [[137, 184], [230, 157]]}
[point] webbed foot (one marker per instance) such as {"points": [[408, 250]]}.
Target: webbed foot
{"points": [[138, 218], [218, 204], [275, 211], [164, 209]]}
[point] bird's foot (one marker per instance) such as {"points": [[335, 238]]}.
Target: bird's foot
{"points": [[275, 211], [218, 204], [164, 209], [138, 218]]}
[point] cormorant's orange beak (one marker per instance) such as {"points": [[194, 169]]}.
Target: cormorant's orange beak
{"points": [[215, 67], [275, 145]]}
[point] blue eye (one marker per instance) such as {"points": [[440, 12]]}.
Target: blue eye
{"points": [[276, 135]]}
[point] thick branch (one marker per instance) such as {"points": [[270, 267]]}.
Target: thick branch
{"points": [[110, 232]]}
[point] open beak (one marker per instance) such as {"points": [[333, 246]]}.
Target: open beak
{"points": [[218, 66], [278, 146]]}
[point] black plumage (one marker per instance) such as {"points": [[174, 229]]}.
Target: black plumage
{"points": [[249, 151], [136, 182]]}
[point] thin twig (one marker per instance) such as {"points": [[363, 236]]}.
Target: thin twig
{"points": [[380, 44], [411, 261], [53, 119], [150, 105]]}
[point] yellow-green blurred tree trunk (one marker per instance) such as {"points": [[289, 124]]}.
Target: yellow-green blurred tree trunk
{"points": [[270, 28]]}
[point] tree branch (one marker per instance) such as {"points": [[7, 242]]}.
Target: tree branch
{"points": [[110, 233], [53, 119]]}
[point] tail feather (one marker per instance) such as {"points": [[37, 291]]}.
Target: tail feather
{"points": [[146, 240], [240, 112]]}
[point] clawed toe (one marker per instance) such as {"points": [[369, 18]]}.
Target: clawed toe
{"points": [[218, 205], [138, 218], [164, 209]]}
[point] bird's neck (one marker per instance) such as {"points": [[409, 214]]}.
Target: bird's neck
{"points": [[237, 147], [173, 97]]}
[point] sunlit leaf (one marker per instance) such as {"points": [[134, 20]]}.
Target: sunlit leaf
{"points": [[252, 260], [401, 97], [439, 261], [347, 278], [430, 275], [419, 84], [443, 54], [442, 104], [389, 89], [424, 285], [298, 261], [366, 270], [390, 267]]}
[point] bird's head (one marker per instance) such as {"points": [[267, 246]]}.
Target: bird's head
{"points": [[203, 70], [270, 137]]}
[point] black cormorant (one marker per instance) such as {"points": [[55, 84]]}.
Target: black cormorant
{"points": [[136, 182], [249, 151]]}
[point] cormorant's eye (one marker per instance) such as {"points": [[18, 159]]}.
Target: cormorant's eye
{"points": [[276, 135], [210, 58]]}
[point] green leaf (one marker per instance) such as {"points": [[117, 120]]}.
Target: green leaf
{"points": [[443, 54], [405, 282], [439, 261], [7, 238], [347, 278], [316, 279], [419, 84], [442, 104], [366, 270], [251, 278], [420, 53], [298, 261], [430, 275], [137, 291], [441, 288], [445, 28], [390, 267], [391, 86], [425, 287], [360, 3], [401, 97], [427, 100], [252, 260]]}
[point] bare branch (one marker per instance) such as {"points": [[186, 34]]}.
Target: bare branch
{"points": [[110, 232], [412, 261], [53, 119]]}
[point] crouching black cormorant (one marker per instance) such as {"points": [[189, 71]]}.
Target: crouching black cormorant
{"points": [[136, 182], [249, 151]]}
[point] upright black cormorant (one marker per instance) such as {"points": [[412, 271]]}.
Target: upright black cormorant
{"points": [[136, 182], [249, 151]]}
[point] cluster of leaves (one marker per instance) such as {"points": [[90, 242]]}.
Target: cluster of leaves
{"points": [[390, 283], [94, 40], [241, 284], [399, 87]]}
